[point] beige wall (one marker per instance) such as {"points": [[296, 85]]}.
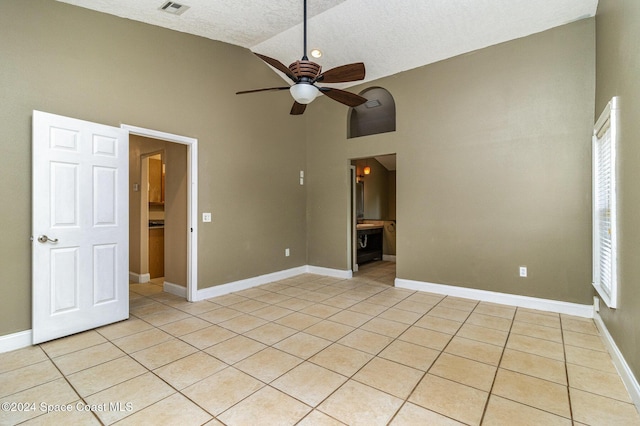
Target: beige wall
{"points": [[392, 195], [618, 71], [175, 207], [75, 62], [493, 168]]}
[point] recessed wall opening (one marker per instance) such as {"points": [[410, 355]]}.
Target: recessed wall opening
{"points": [[377, 115]]}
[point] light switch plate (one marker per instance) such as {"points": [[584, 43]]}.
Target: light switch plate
{"points": [[206, 217]]}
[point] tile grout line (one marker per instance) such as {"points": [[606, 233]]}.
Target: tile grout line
{"points": [[179, 391], [70, 384], [536, 377], [285, 372], [566, 370], [154, 373], [493, 382], [406, 400], [268, 346], [351, 377], [332, 343]]}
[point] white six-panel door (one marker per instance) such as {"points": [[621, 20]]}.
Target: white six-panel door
{"points": [[80, 225]]}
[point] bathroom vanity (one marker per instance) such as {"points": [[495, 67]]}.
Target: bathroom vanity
{"points": [[369, 242]]}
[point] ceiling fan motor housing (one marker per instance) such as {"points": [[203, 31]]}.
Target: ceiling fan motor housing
{"points": [[304, 68]]}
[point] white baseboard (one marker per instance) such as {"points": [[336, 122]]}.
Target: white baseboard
{"points": [[335, 273], [175, 289], [19, 340], [389, 257], [623, 368], [222, 289], [139, 278], [568, 308]]}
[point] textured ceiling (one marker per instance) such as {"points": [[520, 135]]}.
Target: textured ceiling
{"points": [[389, 36]]}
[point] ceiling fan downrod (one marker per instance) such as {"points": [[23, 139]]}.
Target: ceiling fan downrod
{"points": [[304, 47]]}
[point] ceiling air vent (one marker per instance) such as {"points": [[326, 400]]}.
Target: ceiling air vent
{"points": [[174, 8]]}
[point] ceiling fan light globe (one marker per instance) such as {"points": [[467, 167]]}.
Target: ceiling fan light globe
{"points": [[304, 93]]}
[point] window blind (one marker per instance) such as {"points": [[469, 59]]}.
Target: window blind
{"points": [[604, 207]]}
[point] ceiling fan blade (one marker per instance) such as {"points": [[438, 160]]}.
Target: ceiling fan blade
{"points": [[298, 109], [344, 97], [349, 72], [263, 90], [279, 66]]}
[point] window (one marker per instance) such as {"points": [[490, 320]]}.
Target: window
{"points": [[605, 134]]}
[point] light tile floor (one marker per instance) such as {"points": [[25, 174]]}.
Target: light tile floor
{"points": [[312, 350]]}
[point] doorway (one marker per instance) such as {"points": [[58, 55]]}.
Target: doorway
{"points": [[372, 230], [185, 230]]}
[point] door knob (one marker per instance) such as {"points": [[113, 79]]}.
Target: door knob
{"points": [[43, 239]]}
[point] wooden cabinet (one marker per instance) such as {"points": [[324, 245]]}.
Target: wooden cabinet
{"points": [[156, 181], [156, 252]]}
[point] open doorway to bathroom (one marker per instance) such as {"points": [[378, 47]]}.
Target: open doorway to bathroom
{"points": [[373, 218]]}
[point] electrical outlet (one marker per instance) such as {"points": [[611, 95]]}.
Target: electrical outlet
{"points": [[206, 217], [287, 252], [523, 271]]}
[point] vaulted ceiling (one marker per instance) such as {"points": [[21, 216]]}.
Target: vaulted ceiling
{"points": [[389, 36]]}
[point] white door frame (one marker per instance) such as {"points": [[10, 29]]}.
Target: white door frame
{"points": [[192, 199], [351, 221]]}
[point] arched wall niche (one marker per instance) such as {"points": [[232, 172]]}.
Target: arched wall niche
{"points": [[377, 115]]}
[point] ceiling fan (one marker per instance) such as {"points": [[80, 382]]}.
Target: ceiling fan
{"points": [[305, 74]]}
